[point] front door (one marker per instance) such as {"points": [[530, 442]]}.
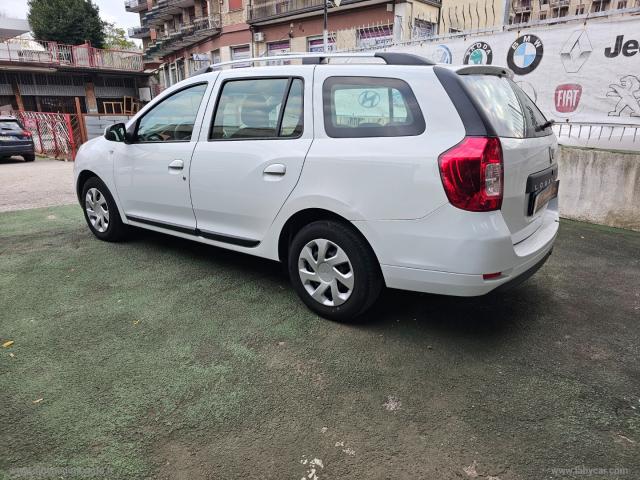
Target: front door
{"points": [[250, 157], [152, 172]]}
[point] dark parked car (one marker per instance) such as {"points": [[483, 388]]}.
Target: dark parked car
{"points": [[15, 139]]}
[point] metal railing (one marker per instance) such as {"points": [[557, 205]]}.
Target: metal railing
{"points": [[84, 56], [186, 35], [139, 32], [54, 134], [619, 136], [263, 10]]}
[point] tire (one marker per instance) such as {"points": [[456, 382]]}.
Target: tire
{"points": [[347, 284], [29, 158], [104, 223]]}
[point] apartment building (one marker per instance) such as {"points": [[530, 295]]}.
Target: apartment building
{"points": [[523, 11], [181, 36], [463, 15]]}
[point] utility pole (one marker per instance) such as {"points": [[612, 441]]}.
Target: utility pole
{"points": [[325, 32]]}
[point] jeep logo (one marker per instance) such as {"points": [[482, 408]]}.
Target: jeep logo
{"points": [[567, 97], [628, 48]]}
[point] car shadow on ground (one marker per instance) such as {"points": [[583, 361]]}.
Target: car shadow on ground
{"points": [[492, 315], [9, 160]]}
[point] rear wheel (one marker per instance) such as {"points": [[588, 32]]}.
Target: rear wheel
{"points": [[101, 212], [29, 158], [334, 271]]}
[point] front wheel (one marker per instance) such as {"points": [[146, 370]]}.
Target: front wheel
{"points": [[101, 212], [334, 270]]}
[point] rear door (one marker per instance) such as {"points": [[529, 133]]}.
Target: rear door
{"points": [[251, 153], [528, 149]]}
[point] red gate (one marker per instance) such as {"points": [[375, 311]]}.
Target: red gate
{"points": [[54, 134]]}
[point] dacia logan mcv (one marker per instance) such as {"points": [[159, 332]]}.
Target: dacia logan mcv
{"points": [[356, 175]]}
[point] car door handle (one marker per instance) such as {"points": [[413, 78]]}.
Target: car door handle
{"points": [[275, 169], [176, 165]]}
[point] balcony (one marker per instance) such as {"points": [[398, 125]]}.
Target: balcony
{"points": [[37, 53], [261, 11], [135, 5], [520, 6], [187, 35], [559, 3], [164, 11], [139, 32]]}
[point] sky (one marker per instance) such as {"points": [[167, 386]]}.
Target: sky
{"points": [[110, 11]]}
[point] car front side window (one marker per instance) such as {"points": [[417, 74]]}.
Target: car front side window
{"points": [[172, 120]]}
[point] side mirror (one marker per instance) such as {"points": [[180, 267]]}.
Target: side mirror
{"points": [[116, 133]]}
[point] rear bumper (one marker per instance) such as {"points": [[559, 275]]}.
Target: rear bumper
{"points": [[448, 251], [8, 150]]}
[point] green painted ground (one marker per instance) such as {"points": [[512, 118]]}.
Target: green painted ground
{"points": [[161, 358]]}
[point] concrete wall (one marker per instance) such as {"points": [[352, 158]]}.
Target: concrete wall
{"points": [[600, 186]]}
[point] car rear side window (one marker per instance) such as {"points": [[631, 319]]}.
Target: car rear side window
{"points": [[370, 107], [534, 118], [499, 102], [508, 108]]}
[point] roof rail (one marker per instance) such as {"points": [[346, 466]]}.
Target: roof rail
{"points": [[390, 58]]}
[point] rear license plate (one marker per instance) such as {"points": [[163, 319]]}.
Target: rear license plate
{"points": [[5, 138], [540, 198]]}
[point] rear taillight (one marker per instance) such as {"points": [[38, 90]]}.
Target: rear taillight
{"points": [[472, 174], [26, 133]]}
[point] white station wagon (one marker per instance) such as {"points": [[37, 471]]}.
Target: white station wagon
{"points": [[357, 171]]}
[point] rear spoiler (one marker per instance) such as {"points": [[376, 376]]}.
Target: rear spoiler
{"points": [[484, 70]]}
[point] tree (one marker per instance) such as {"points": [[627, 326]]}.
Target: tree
{"points": [[66, 21], [116, 38]]}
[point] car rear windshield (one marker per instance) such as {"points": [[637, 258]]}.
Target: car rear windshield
{"points": [[12, 125], [509, 109]]}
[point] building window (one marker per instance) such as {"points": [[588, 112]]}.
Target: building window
{"points": [[423, 28], [543, 15], [374, 36], [564, 11], [600, 6], [241, 52], [316, 44], [235, 5], [278, 48], [622, 4], [580, 10], [215, 56]]}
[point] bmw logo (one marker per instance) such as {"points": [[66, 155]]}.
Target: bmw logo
{"points": [[525, 54], [442, 54], [478, 54]]}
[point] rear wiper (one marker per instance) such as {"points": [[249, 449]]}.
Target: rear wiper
{"points": [[545, 125]]}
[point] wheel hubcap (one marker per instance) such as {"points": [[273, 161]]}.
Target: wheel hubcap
{"points": [[97, 209], [326, 272]]}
